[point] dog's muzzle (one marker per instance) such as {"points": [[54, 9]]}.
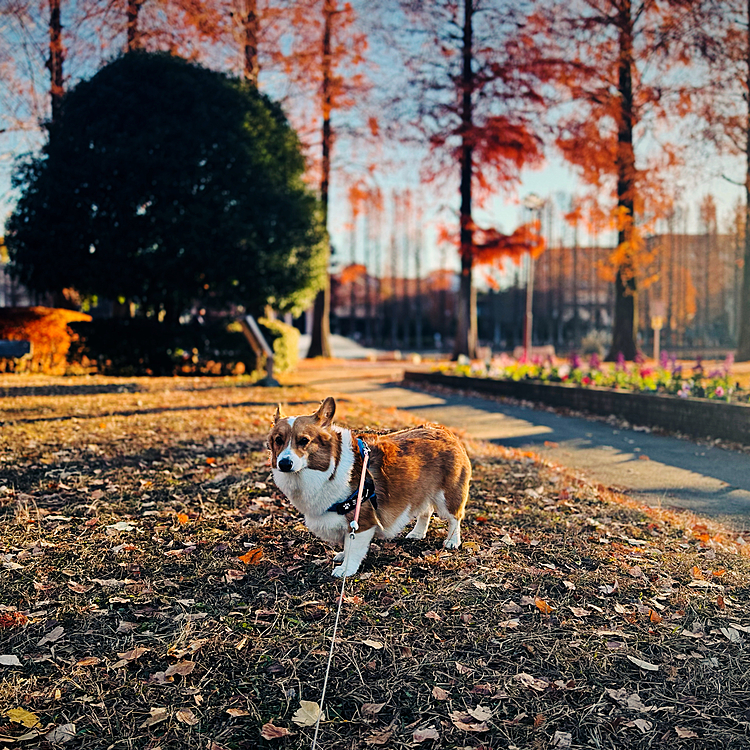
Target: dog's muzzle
{"points": [[285, 464]]}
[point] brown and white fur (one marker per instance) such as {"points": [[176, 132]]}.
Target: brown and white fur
{"points": [[416, 472]]}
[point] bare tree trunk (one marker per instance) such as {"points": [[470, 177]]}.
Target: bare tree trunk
{"points": [[56, 57], [320, 343], [626, 294], [466, 333], [743, 341], [134, 34], [250, 35]]}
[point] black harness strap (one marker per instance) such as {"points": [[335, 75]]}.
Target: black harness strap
{"points": [[368, 493]]}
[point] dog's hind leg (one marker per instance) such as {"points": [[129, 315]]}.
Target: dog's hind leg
{"points": [[453, 507], [420, 527]]}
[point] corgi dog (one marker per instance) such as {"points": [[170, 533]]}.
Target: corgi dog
{"points": [[411, 474]]}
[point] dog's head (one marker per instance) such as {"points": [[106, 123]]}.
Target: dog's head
{"points": [[305, 442]]}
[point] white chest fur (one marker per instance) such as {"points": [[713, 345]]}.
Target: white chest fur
{"points": [[313, 492]]}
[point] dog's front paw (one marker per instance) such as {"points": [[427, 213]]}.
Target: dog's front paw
{"points": [[452, 544], [340, 571], [339, 557]]}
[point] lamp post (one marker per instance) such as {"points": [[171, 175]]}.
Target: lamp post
{"points": [[658, 309], [534, 204]]}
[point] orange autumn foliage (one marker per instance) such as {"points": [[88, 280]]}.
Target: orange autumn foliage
{"points": [[49, 333]]}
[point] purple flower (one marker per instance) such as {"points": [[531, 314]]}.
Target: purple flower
{"points": [[594, 362], [698, 366], [664, 359], [676, 370], [620, 361], [684, 392], [575, 360], [728, 362], [639, 359]]}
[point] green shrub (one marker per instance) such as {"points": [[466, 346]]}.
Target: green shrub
{"points": [[284, 341]]}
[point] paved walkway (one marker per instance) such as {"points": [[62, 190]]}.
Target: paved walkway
{"points": [[661, 471]]}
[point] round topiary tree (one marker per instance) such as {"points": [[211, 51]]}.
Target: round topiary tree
{"points": [[168, 184]]}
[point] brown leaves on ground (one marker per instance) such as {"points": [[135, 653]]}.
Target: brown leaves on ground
{"points": [[157, 586]]}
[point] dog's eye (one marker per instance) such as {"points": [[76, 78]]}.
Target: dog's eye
{"points": [[279, 440], [302, 442]]}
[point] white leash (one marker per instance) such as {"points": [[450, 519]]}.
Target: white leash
{"points": [[354, 525]]}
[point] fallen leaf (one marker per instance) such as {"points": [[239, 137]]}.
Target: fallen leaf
{"points": [[371, 709], [579, 611], [157, 715], [430, 733], [635, 703], [237, 712], [182, 518], [654, 616], [543, 607], [121, 526], [641, 724], [379, 738], [433, 616], [377, 645], [270, 732], [608, 590], [481, 727], [128, 656], [252, 557], [307, 714], [22, 716], [88, 661], [643, 664], [532, 682], [461, 669], [562, 740], [685, 734], [62, 734], [79, 588], [230, 576], [9, 660], [182, 668], [696, 572], [186, 716], [480, 713], [439, 694], [52, 636], [731, 635]]}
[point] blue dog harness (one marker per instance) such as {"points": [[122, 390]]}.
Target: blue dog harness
{"points": [[349, 504]]}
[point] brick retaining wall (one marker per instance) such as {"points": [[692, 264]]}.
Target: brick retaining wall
{"points": [[692, 416]]}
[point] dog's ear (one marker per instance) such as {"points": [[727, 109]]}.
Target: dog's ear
{"points": [[277, 416], [325, 412]]}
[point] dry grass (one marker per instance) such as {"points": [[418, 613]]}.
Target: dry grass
{"points": [[524, 638]]}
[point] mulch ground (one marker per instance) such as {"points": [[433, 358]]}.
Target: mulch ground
{"points": [[157, 591]]}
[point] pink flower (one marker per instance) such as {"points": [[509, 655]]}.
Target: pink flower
{"points": [[719, 391]]}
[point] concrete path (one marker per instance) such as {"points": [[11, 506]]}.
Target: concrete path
{"points": [[660, 471]]}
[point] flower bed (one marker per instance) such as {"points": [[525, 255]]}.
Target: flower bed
{"points": [[668, 377], [664, 400]]}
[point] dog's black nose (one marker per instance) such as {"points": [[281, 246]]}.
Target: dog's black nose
{"points": [[285, 464]]}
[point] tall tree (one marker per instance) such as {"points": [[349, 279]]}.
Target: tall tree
{"points": [[324, 70], [471, 93], [604, 54], [56, 55], [169, 184], [725, 108]]}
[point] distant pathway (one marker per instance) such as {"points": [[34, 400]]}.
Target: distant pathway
{"points": [[705, 479]]}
